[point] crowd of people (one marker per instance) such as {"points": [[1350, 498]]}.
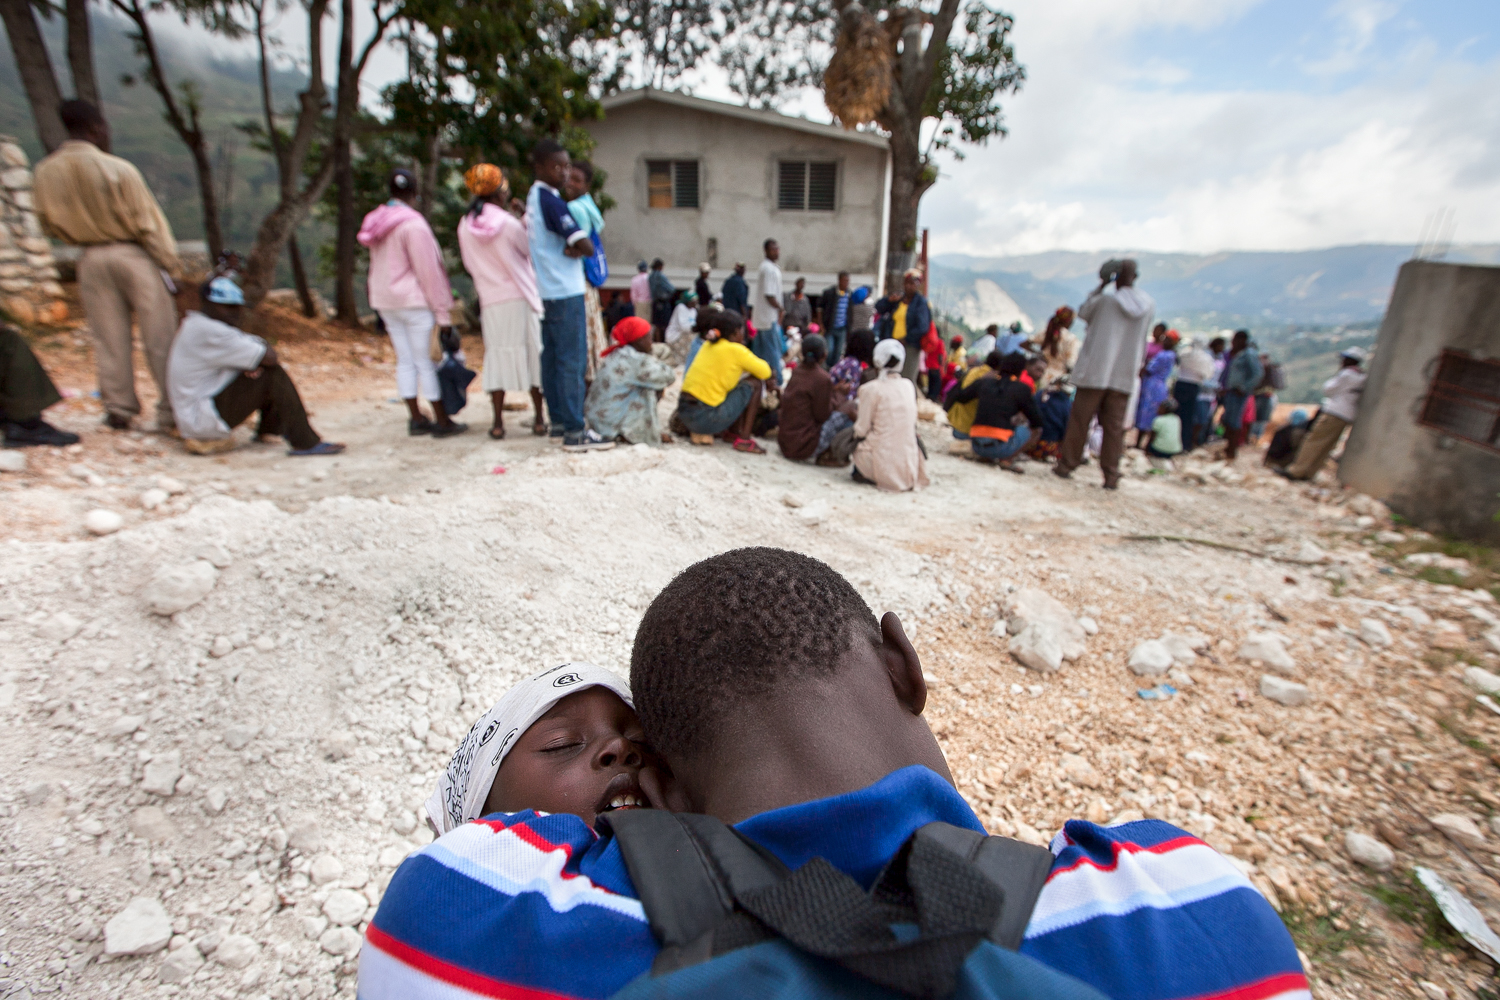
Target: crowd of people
{"points": [[836, 377]]}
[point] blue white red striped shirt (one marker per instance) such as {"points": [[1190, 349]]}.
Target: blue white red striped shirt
{"points": [[530, 906]]}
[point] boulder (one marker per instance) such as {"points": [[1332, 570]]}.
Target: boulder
{"points": [[1368, 851], [1038, 647], [1150, 658], [139, 929], [1030, 606], [1270, 649], [1283, 691], [1373, 633], [177, 588]]}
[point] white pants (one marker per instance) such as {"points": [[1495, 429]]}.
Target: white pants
{"points": [[411, 337]]}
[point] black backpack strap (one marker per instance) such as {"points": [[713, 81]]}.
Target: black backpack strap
{"points": [[1019, 870], [688, 870]]}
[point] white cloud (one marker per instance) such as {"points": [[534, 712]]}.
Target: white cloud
{"points": [[1102, 154]]}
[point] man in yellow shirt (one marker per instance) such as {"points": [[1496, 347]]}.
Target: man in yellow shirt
{"points": [[721, 391], [88, 198], [906, 313]]}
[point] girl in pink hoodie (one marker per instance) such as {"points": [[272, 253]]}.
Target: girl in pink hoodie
{"points": [[408, 287]]}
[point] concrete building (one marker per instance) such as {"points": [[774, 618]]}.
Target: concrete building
{"points": [[697, 180], [1427, 441]]}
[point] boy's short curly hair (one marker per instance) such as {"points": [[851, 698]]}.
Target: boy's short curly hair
{"points": [[733, 628]]}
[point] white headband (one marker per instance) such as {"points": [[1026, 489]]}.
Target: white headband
{"points": [[886, 350], [464, 786]]}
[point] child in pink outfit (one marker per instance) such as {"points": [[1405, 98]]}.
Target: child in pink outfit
{"points": [[408, 287]]}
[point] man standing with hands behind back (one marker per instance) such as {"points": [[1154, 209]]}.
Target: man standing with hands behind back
{"points": [[1108, 365], [90, 199], [766, 311]]}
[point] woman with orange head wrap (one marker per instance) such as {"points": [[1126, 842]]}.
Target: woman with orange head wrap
{"points": [[497, 255]]}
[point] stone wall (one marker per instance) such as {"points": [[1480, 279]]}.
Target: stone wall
{"points": [[29, 286]]}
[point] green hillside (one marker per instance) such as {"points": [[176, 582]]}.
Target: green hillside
{"points": [[230, 94]]}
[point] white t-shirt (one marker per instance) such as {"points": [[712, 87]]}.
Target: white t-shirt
{"points": [[767, 282], [684, 318], [206, 356]]}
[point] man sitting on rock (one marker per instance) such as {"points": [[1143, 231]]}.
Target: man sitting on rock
{"points": [[804, 729], [218, 375], [25, 391]]}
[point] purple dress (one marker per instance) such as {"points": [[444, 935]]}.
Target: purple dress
{"points": [[1154, 388]]}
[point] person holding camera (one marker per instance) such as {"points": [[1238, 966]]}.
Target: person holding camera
{"points": [[1108, 365]]}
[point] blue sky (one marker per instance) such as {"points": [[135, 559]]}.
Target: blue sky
{"points": [[1236, 124]]}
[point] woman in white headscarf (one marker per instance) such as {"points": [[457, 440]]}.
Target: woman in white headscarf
{"points": [[888, 454]]}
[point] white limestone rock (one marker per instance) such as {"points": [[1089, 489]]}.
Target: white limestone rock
{"points": [[179, 966], [1183, 648], [1369, 852], [1270, 649], [12, 460], [177, 588], [237, 951], [1038, 647], [1373, 633], [325, 868], [239, 736], [60, 627], [151, 823], [345, 907], [1283, 691], [1458, 828], [153, 498], [103, 522], [339, 941], [140, 929], [162, 773], [1151, 658], [1030, 606], [126, 724], [1482, 680]]}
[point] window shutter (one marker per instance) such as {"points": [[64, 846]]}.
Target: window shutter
{"points": [[1464, 399], [658, 183], [821, 186], [792, 187], [685, 191]]}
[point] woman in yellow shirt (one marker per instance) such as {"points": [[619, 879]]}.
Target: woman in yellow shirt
{"points": [[721, 391]]}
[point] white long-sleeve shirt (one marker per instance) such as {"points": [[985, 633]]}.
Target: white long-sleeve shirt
{"points": [[206, 356], [1341, 394]]}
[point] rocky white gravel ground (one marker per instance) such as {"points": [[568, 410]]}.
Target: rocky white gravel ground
{"points": [[221, 719]]}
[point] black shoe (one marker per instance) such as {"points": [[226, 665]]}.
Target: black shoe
{"points": [[117, 421], [43, 433], [419, 427], [448, 430]]}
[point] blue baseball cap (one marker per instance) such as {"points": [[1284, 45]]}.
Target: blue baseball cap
{"points": [[223, 291]]}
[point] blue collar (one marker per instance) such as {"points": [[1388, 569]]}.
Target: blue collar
{"points": [[859, 832]]}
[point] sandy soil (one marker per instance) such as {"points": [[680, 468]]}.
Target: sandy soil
{"points": [[254, 763]]}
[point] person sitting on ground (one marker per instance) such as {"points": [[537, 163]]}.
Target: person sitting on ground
{"points": [[25, 391], [958, 357], [1285, 442], [961, 415], [1165, 439], [218, 375], [621, 404], [721, 391], [1034, 370], [889, 454], [564, 741], [679, 333], [1055, 404], [805, 729], [806, 402], [1006, 411], [836, 436]]}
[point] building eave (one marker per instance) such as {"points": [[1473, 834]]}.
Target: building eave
{"points": [[772, 118]]}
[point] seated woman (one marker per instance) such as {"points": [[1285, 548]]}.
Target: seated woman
{"points": [[889, 455], [836, 436], [721, 391], [584, 710], [1284, 443], [806, 402], [998, 433], [621, 403], [961, 415]]}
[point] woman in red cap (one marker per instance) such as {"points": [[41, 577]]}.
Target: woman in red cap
{"points": [[621, 403]]}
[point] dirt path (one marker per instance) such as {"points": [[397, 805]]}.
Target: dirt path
{"points": [[254, 763]]}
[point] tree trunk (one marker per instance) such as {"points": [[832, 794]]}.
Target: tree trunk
{"points": [[213, 233], [299, 277], [81, 52], [35, 69], [275, 230], [346, 248]]}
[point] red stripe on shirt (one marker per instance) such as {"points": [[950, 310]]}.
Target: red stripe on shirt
{"points": [[1120, 847], [1285, 982], [530, 837], [453, 975]]}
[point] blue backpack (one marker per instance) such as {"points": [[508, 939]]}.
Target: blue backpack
{"points": [[943, 919], [596, 265]]}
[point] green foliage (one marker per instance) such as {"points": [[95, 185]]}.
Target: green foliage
{"points": [[1318, 937], [978, 67], [1409, 902]]}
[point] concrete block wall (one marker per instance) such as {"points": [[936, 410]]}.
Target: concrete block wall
{"points": [[29, 286]]}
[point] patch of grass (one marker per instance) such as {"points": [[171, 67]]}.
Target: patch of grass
{"points": [[1409, 902], [1435, 574], [1224, 738], [1317, 937]]}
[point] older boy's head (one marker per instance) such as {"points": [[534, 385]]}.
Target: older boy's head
{"points": [[764, 679]]}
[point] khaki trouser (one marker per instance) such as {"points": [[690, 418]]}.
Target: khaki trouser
{"points": [[1317, 446], [116, 280], [1110, 406]]}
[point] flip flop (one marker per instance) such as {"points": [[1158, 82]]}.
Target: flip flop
{"points": [[749, 446], [539, 429], [321, 448], [498, 433]]}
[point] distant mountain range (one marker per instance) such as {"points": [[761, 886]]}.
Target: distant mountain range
{"points": [[1258, 289]]}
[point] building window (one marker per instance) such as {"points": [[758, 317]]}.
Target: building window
{"points": [[1464, 400], [672, 183], [804, 186]]}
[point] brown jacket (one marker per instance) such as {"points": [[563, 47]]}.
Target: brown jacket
{"points": [[84, 196], [806, 402]]}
